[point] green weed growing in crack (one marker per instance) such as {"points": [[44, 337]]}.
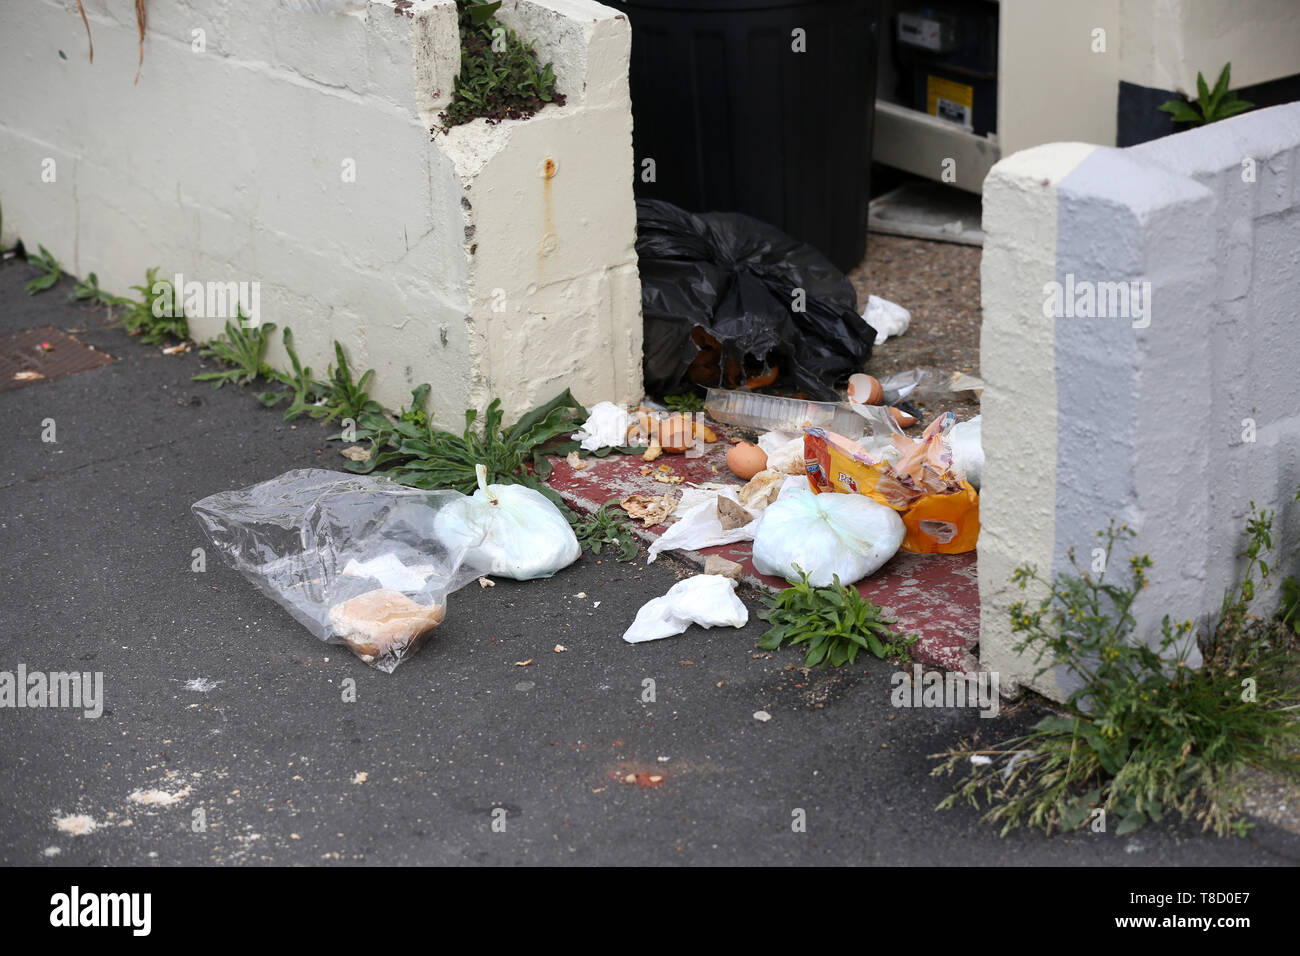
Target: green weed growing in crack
{"points": [[1144, 734]]}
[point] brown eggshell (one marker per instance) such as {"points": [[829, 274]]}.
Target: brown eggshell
{"points": [[901, 418], [675, 434], [746, 460], [865, 390]]}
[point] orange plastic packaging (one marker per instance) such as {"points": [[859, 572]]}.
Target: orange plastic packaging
{"points": [[838, 464], [943, 524], [936, 521]]}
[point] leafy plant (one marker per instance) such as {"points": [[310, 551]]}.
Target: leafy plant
{"points": [[1289, 612], [500, 77], [426, 457], [415, 414], [685, 402], [344, 398], [606, 527], [241, 351], [88, 290], [156, 316], [1213, 105], [306, 393], [835, 622], [51, 271], [1144, 733]]}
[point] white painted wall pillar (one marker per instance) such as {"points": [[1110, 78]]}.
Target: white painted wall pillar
{"points": [[292, 148], [1170, 412]]}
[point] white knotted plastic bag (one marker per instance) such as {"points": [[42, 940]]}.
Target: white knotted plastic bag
{"points": [[826, 535], [526, 536]]}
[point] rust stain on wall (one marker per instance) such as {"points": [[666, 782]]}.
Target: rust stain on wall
{"points": [[549, 240]]}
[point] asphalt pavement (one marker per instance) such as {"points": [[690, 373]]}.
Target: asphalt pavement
{"points": [[226, 738]]}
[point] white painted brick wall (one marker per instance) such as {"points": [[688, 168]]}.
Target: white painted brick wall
{"points": [[226, 165], [1148, 421]]}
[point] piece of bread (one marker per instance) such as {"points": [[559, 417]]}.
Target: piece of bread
{"points": [[384, 623]]}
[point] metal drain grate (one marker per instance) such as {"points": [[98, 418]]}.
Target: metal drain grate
{"points": [[34, 355]]}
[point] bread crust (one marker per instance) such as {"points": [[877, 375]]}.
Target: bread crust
{"points": [[383, 623]]}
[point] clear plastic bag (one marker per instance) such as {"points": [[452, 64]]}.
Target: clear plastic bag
{"points": [[826, 535], [356, 559], [927, 383]]}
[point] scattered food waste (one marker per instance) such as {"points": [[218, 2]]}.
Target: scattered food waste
{"points": [[158, 798], [650, 510], [383, 623], [642, 778], [77, 824], [746, 460], [717, 564]]}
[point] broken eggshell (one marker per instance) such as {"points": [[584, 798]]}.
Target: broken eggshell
{"points": [[865, 390], [902, 418]]}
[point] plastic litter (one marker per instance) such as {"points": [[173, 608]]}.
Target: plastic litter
{"points": [[826, 535], [719, 295], [774, 413], [943, 523], [606, 427], [695, 495], [356, 559], [701, 527], [879, 426], [887, 318], [967, 450], [526, 536], [921, 383], [706, 599], [784, 451], [919, 478], [390, 572]]}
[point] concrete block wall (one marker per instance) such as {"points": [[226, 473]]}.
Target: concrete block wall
{"points": [[1170, 415], [489, 260]]}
